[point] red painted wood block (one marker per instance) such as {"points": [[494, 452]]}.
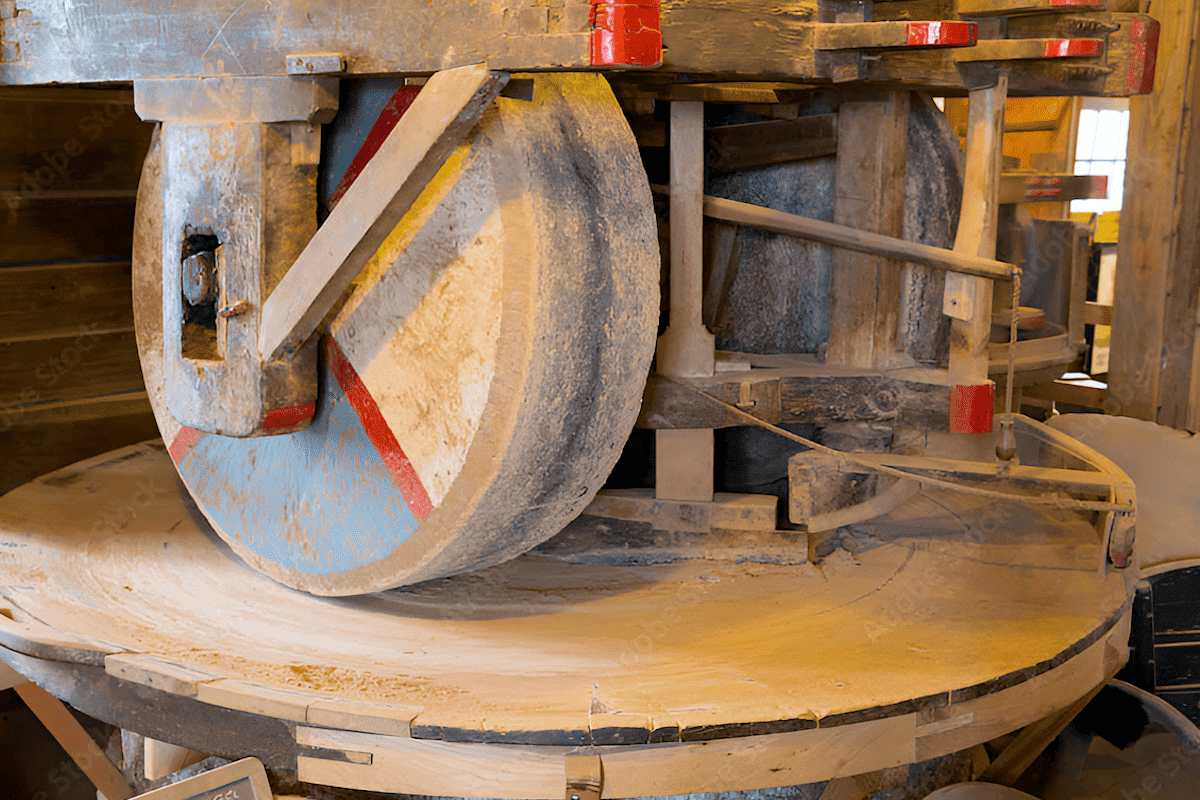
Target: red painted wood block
{"points": [[280, 419], [1067, 48], [942, 34], [626, 33], [1083, 3], [971, 408], [1143, 55]]}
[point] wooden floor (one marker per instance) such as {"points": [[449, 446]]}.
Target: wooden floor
{"points": [[950, 622]]}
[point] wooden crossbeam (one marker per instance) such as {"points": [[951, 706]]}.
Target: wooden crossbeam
{"points": [[442, 115]]}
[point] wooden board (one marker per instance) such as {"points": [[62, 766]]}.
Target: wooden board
{"points": [[55, 300], [958, 620], [476, 383]]}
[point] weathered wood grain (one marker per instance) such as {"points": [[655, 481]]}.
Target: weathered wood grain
{"points": [[56, 300], [869, 195]]}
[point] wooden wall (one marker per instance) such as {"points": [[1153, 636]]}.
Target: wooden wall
{"points": [[70, 384], [1153, 369]]}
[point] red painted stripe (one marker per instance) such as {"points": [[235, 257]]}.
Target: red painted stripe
{"points": [[391, 114], [971, 408], [184, 440], [941, 34], [1087, 3], [378, 431], [1067, 48], [626, 34], [1143, 56], [288, 416]]}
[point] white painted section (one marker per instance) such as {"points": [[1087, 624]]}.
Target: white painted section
{"points": [[422, 332]]}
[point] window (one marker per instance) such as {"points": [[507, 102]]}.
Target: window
{"points": [[1100, 150]]}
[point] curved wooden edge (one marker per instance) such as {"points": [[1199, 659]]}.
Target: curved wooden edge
{"points": [[1154, 570], [382, 763], [35, 639], [310, 708]]}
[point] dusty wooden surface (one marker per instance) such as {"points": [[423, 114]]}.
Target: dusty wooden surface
{"points": [[604, 627]]}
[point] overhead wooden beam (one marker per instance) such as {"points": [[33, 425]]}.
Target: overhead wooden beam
{"points": [[439, 119]]}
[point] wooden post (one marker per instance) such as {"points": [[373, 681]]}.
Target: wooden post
{"points": [[76, 741], [967, 299], [869, 195], [1154, 366], [684, 458]]}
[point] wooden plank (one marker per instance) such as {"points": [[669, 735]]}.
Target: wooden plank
{"points": [[72, 367], [1097, 313], [157, 673], [1158, 274], [86, 228], [417, 766], [76, 741], [444, 112], [683, 465], [1072, 393], [256, 698], [55, 300], [850, 238], [869, 195], [69, 140], [779, 141], [968, 299]]}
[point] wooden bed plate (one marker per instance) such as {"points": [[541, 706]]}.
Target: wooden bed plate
{"points": [[688, 664]]}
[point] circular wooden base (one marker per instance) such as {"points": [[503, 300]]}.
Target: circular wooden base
{"points": [[690, 662]]}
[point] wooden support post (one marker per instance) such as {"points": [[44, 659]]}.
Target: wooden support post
{"points": [[684, 458], [869, 195], [78, 743], [967, 299], [1154, 365]]}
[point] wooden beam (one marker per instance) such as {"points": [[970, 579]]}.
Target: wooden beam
{"points": [[758, 144], [1097, 313], [868, 195], [444, 112], [852, 239], [968, 300], [684, 458], [78, 743]]}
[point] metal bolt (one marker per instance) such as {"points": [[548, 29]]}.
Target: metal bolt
{"points": [[200, 278], [232, 310]]}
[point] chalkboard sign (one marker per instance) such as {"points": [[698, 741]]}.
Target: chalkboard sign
{"points": [[241, 780]]}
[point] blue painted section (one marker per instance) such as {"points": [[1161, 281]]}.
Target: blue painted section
{"points": [[319, 501], [360, 104]]}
